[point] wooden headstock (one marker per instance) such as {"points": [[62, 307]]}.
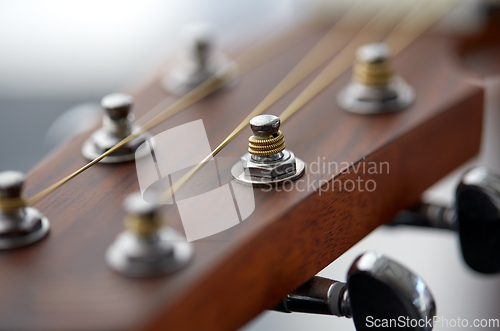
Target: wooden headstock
{"points": [[63, 282]]}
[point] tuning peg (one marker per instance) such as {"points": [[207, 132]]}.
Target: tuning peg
{"points": [[267, 160], [116, 125], [375, 88], [19, 225], [198, 61], [378, 289], [147, 247], [475, 216]]}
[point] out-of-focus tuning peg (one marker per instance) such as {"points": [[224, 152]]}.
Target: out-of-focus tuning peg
{"points": [[116, 125], [147, 247], [198, 61], [375, 88], [19, 225], [378, 289], [475, 216]]}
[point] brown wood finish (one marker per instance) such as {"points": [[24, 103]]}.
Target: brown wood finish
{"points": [[63, 283]]}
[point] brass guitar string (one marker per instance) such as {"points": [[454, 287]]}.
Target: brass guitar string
{"points": [[340, 64], [207, 87], [401, 36], [193, 96], [290, 81], [246, 62]]}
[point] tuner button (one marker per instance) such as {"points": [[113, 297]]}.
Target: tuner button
{"points": [[117, 105], [377, 288], [116, 126], [382, 289], [19, 225], [478, 219], [147, 248], [374, 88], [264, 126], [11, 184]]}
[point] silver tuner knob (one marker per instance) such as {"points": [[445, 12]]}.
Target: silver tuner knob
{"points": [[475, 216], [19, 225], [198, 61], [116, 125], [267, 161], [378, 289], [147, 247], [375, 89]]}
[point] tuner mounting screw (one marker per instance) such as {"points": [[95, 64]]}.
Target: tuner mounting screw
{"points": [[374, 88], [19, 225], [147, 248], [116, 125], [197, 62], [267, 160]]}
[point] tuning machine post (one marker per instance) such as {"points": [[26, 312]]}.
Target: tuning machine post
{"points": [[19, 225], [198, 61], [267, 161], [475, 217], [147, 248], [377, 288], [374, 88], [116, 125]]}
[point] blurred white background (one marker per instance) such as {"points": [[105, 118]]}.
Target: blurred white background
{"points": [[56, 54]]}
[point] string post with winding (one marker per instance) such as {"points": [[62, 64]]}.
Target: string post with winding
{"points": [[267, 161], [147, 247], [19, 225], [375, 88]]}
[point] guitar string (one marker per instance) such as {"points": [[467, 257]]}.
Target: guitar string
{"points": [[207, 87], [394, 40], [340, 64], [246, 62], [381, 15]]}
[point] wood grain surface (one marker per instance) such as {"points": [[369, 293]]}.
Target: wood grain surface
{"points": [[63, 282]]}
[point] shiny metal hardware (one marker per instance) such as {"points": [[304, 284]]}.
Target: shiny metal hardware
{"points": [[197, 62], [116, 125], [267, 160], [374, 88], [475, 216], [376, 287], [147, 248], [19, 225]]}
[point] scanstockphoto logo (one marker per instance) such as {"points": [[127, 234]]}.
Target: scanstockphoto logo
{"points": [[209, 203], [212, 201], [427, 323]]}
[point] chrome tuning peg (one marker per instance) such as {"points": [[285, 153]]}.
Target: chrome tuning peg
{"points": [[475, 217], [375, 88], [147, 247], [19, 225], [268, 161], [378, 290], [198, 61], [116, 125]]}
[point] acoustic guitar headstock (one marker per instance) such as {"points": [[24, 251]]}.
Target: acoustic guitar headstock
{"points": [[359, 171]]}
